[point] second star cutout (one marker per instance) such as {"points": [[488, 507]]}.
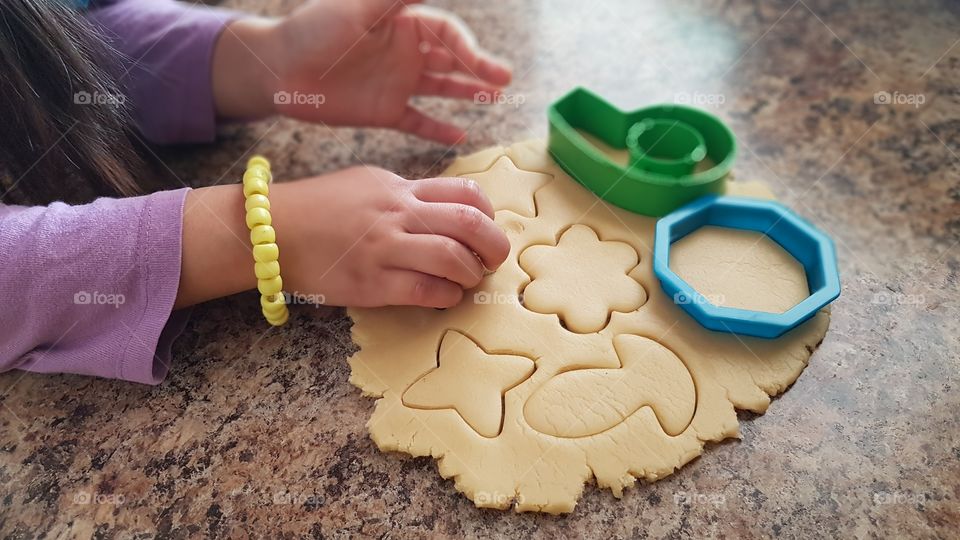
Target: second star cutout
{"points": [[471, 381]]}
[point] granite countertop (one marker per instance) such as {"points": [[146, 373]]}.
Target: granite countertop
{"points": [[258, 433]]}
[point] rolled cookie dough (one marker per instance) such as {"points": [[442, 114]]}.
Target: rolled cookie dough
{"points": [[548, 374]]}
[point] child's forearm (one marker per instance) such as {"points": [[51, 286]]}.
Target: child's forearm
{"points": [[216, 246], [244, 69]]}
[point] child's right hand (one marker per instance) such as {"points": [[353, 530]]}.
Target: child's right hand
{"points": [[361, 237], [366, 237]]}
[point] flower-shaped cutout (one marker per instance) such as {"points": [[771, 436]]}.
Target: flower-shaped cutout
{"points": [[582, 279]]}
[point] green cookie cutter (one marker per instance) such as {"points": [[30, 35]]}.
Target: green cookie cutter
{"points": [[641, 186], [669, 147]]}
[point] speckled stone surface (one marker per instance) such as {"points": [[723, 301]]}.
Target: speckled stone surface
{"points": [[258, 433]]}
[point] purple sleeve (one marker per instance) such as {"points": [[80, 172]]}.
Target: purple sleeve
{"points": [[167, 66], [90, 288]]}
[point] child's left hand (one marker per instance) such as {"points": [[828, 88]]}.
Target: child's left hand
{"points": [[353, 63]]}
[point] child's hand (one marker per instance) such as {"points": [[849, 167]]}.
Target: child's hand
{"points": [[367, 237], [360, 237], [353, 63]]}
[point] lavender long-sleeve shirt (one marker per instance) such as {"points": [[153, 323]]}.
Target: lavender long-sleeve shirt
{"points": [[90, 289]]}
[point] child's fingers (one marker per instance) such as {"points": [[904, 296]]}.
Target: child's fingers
{"points": [[444, 32], [421, 125], [453, 190], [455, 87], [440, 60], [438, 256], [474, 64], [465, 224], [381, 9], [411, 288]]}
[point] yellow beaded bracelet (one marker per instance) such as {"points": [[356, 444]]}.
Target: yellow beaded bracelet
{"points": [[266, 253]]}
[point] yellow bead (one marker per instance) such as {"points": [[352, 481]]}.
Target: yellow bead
{"points": [[258, 216], [263, 234], [255, 185], [266, 252], [257, 173], [279, 321], [257, 201], [270, 286], [278, 316], [273, 304], [266, 270], [258, 161], [274, 313], [262, 173]]}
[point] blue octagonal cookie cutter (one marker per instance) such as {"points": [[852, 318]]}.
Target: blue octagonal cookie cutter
{"points": [[813, 249]]}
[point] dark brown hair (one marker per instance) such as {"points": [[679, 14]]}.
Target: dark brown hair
{"points": [[63, 115]]}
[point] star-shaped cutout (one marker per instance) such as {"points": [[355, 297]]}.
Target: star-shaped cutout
{"points": [[471, 381], [510, 188], [582, 279]]}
